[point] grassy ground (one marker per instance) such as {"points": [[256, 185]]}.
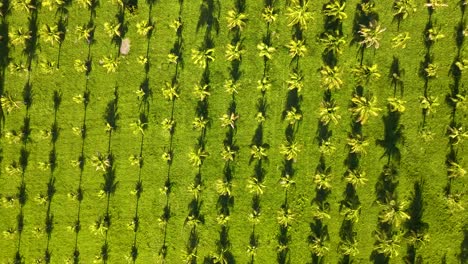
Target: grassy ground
{"points": [[421, 161]]}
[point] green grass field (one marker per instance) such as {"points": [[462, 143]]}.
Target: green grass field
{"points": [[101, 160]]}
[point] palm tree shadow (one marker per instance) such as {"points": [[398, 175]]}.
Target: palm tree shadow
{"points": [[393, 135], [464, 247], [209, 15]]}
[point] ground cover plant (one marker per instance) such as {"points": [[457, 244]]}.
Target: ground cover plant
{"points": [[233, 131]]}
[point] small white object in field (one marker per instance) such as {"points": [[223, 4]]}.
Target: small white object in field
{"points": [[125, 46]]}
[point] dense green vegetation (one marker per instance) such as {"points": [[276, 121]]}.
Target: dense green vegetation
{"points": [[234, 131]]}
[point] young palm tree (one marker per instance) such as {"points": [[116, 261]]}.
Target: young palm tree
{"points": [[364, 73], [101, 162], [286, 182], [328, 111], [24, 5], [331, 77], [335, 10], [202, 57], [332, 43], [364, 107], [327, 148], [231, 87], [139, 127], [371, 35], [265, 51], [460, 101], [431, 70], [85, 32], [434, 4], [297, 48], [236, 20], [264, 84], [51, 34], [234, 52], [350, 214], [299, 14]]}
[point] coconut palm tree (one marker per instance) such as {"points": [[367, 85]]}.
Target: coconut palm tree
{"points": [[335, 10], [144, 27], [348, 248], [200, 123], [388, 246], [293, 116], [228, 154], [170, 91], [139, 127], [110, 63], [454, 203], [434, 4], [231, 87], [229, 120], [101, 162], [8, 103], [201, 91], [299, 14], [456, 134], [295, 81], [400, 40], [328, 111], [195, 190], [364, 107], [333, 43], [51, 34], [234, 52], [297, 48], [393, 213], [236, 20], [99, 226], [23, 5], [357, 144], [320, 213], [454, 170], [202, 57], [258, 152], [255, 186], [428, 104], [197, 156], [85, 32], [327, 147], [350, 214], [431, 70], [356, 177], [265, 51], [460, 101], [365, 73], [331, 77], [371, 35], [402, 8], [19, 36], [318, 246], [285, 217], [269, 14], [113, 29], [223, 188], [396, 105], [264, 84], [290, 150], [323, 179]]}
